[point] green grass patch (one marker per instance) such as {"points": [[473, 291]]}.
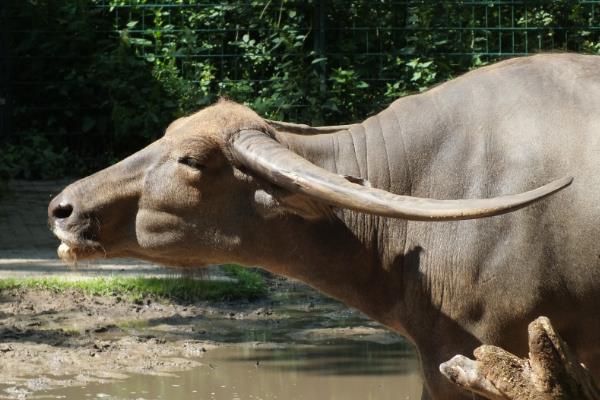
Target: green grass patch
{"points": [[248, 285], [251, 279]]}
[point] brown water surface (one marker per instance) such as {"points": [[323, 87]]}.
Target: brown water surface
{"points": [[344, 370]]}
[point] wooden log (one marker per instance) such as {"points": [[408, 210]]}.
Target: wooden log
{"points": [[551, 372]]}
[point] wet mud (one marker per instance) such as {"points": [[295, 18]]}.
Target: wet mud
{"points": [[295, 344]]}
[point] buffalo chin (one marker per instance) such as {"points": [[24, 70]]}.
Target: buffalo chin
{"points": [[70, 254]]}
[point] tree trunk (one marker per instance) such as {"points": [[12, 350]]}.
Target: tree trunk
{"points": [[550, 373]]}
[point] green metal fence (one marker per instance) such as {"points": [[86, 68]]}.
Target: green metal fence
{"points": [[493, 29], [47, 94], [465, 29]]}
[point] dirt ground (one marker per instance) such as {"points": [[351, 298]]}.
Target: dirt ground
{"points": [[85, 338], [50, 340]]}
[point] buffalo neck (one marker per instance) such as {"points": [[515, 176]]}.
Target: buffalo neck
{"points": [[360, 257], [394, 150]]}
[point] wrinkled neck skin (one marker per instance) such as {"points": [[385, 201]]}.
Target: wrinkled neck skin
{"points": [[354, 257]]}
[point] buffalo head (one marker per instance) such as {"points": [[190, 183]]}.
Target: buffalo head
{"points": [[211, 188]]}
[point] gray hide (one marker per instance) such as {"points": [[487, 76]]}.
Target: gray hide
{"points": [[499, 129]]}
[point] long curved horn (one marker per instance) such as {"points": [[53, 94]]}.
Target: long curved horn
{"points": [[273, 161], [302, 129]]}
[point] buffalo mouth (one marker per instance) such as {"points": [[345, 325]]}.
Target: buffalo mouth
{"points": [[70, 253], [76, 247]]}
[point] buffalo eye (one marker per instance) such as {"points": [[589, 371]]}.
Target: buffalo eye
{"points": [[191, 162]]}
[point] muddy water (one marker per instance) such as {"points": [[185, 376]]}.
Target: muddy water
{"points": [[345, 370], [293, 345]]}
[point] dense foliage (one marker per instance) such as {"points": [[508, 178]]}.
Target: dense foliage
{"points": [[92, 80]]}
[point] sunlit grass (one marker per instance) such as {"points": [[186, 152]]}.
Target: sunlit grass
{"points": [[247, 285]]}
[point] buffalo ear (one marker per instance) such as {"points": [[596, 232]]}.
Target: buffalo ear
{"points": [[305, 207], [276, 202]]}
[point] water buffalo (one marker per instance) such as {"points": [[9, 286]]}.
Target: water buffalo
{"points": [[349, 209]]}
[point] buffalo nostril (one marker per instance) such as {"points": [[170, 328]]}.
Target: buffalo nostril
{"points": [[62, 211]]}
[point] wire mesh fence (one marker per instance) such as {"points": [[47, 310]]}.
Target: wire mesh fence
{"points": [[90, 68], [375, 32]]}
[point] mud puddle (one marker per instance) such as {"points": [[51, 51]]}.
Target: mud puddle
{"points": [[335, 370], [294, 345]]}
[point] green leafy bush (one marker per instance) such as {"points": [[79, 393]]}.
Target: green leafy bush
{"points": [[35, 158], [102, 78]]}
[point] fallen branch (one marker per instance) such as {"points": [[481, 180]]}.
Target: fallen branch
{"points": [[550, 373]]}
